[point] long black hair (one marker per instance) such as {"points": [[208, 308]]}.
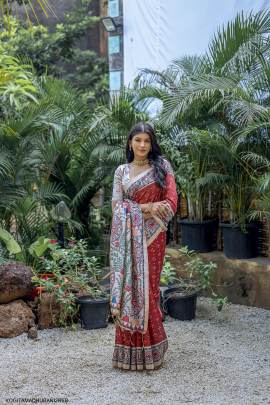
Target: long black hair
{"points": [[154, 156]]}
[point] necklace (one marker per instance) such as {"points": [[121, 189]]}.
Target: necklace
{"points": [[140, 162]]}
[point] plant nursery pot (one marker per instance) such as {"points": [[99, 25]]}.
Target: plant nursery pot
{"points": [[94, 313], [237, 244], [200, 236], [181, 305]]}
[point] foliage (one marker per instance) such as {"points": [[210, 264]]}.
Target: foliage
{"points": [[200, 275], [111, 123], [11, 245], [58, 52], [226, 92], [8, 7], [227, 85], [188, 150], [46, 156], [17, 84], [168, 274], [74, 274]]}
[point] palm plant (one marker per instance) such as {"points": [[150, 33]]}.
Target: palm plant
{"points": [[189, 154], [40, 148], [8, 7], [223, 86], [225, 90], [63, 149], [17, 84], [236, 175], [111, 123]]}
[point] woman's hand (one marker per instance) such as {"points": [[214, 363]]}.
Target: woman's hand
{"points": [[147, 215], [159, 209]]}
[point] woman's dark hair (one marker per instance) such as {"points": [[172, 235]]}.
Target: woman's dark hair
{"points": [[154, 156]]}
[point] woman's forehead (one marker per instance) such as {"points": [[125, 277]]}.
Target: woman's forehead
{"points": [[142, 135]]}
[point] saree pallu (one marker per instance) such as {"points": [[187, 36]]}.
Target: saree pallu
{"points": [[137, 250]]}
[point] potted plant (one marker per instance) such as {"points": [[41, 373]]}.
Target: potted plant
{"points": [[237, 177], [76, 284], [188, 152], [180, 300], [168, 277]]}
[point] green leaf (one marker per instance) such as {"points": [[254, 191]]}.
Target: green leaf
{"points": [[12, 246], [39, 247]]}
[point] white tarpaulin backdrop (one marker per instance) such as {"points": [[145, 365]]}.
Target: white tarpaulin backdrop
{"points": [[158, 31]]}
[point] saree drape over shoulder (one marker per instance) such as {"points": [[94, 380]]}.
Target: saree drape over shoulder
{"points": [[137, 249]]}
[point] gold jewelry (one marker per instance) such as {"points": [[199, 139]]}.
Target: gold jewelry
{"points": [[140, 162]]}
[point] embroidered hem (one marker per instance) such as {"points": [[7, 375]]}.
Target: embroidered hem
{"points": [[139, 358]]}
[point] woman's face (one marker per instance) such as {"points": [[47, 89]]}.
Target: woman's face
{"points": [[141, 145]]}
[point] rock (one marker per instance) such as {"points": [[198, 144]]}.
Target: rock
{"points": [[15, 318], [48, 311], [15, 281], [32, 332], [32, 323], [243, 281]]}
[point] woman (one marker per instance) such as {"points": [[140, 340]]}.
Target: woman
{"points": [[144, 200]]}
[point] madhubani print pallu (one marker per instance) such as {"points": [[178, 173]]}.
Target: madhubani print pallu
{"points": [[137, 249]]}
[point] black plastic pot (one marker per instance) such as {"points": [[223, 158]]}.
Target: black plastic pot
{"points": [[239, 244], [200, 236], [180, 305], [94, 313]]}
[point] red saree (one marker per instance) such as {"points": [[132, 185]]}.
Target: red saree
{"points": [[136, 258]]}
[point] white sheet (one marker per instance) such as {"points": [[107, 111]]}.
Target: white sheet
{"points": [[158, 31]]}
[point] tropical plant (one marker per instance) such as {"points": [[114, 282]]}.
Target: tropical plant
{"points": [[168, 274], [8, 7], [74, 274], [200, 276], [227, 86], [111, 123], [225, 91], [236, 174], [46, 156], [188, 150], [17, 84], [58, 52]]}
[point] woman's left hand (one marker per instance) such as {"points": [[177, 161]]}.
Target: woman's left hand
{"points": [[161, 209]]}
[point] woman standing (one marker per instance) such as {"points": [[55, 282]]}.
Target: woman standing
{"points": [[144, 200]]}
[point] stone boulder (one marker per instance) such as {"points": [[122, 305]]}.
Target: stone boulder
{"points": [[15, 281], [15, 319], [243, 281]]}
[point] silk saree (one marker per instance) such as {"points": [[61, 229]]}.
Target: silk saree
{"points": [[137, 249]]}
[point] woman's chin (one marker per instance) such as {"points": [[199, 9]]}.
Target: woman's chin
{"points": [[141, 157]]}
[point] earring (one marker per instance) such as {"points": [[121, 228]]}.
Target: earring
{"points": [[130, 148]]}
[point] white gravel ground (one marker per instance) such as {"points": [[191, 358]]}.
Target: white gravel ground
{"points": [[219, 358]]}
